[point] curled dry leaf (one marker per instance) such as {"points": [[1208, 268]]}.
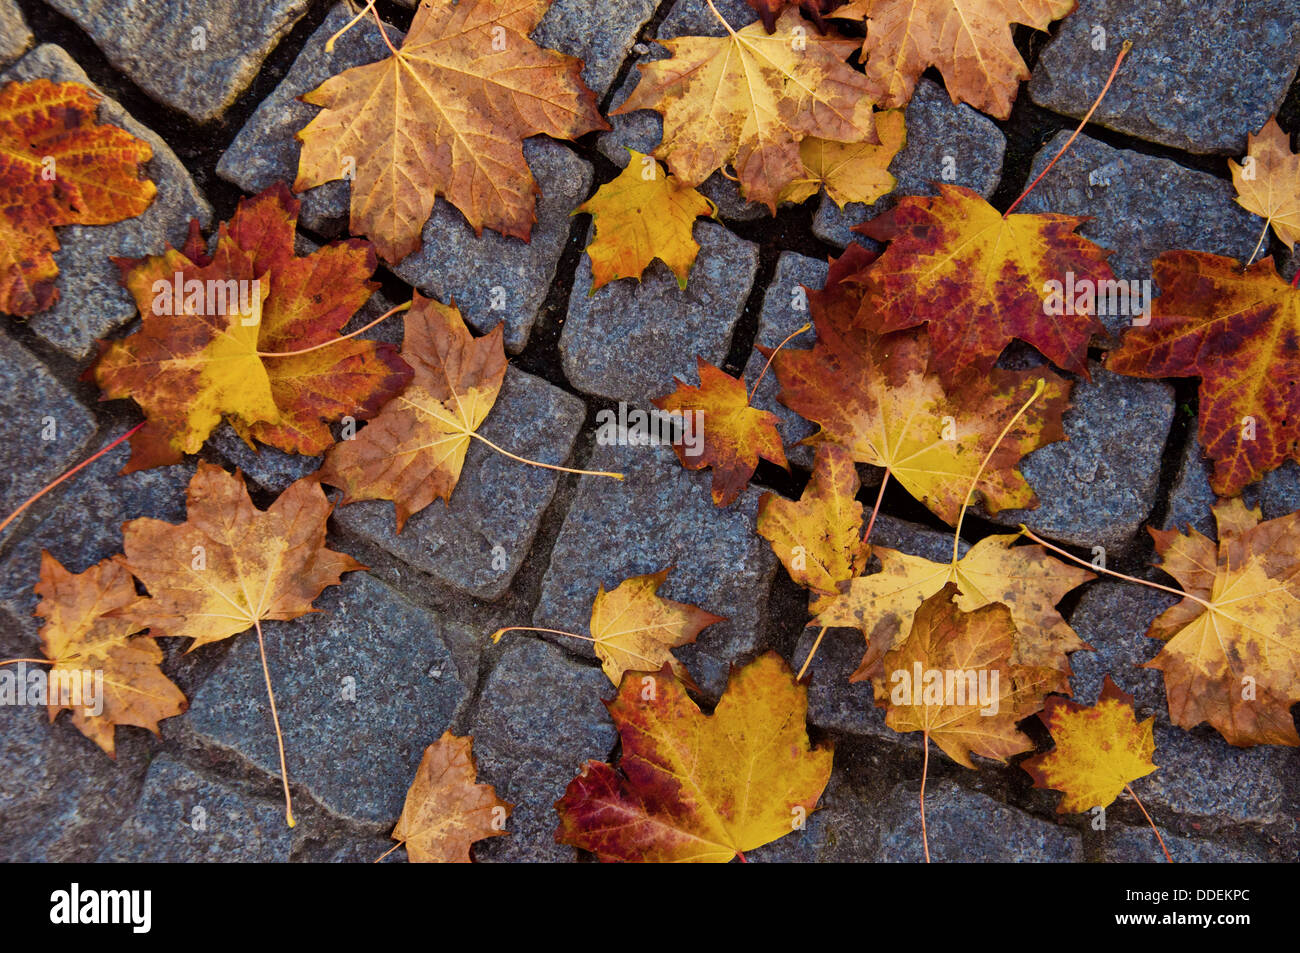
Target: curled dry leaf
{"points": [[1024, 578], [413, 451], [446, 115], [956, 679], [747, 99], [89, 641], [979, 280], [733, 434], [696, 787], [1239, 332], [1099, 750], [1268, 183], [230, 565], [970, 41], [642, 215], [60, 167], [876, 395], [446, 810], [1233, 658], [211, 326]]}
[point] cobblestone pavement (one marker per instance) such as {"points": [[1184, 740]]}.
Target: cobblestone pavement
{"points": [[522, 545]]}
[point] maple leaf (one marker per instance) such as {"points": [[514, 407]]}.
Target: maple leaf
{"points": [[60, 167], [230, 566], [1024, 578], [970, 41], [874, 395], [734, 434], [446, 115], [1239, 332], [819, 538], [696, 787], [446, 810], [82, 634], [1099, 750], [963, 646], [634, 628], [640, 216], [1269, 184], [413, 451], [747, 99], [850, 171], [1232, 652], [980, 281], [198, 356]]}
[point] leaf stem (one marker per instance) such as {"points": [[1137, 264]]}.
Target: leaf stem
{"points": [[342, 337], [329, 44], [724, 23], [85, 463], [496, 637], [1025, 531], [925, 770], [970, 493], [389, 851], [547, 466], [1259, 244], [772, 356], [38, 661], [1295, 282], [1128, 45], [811, 652], [1133, 794], [275, 718]]}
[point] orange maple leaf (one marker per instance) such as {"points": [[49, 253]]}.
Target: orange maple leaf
{"points": [[1232, 652], [88, 641], [980, 280], [970, 41], [733, 435], [213, 326], [692, 787], [413, 451], [230, 566], [60, 167], [446, 115], [1239, 332], [1099, 750], [446, 810]]}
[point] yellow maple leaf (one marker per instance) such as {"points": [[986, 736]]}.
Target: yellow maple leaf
{"points": [[850, 171], [748, 98], [1232, 651], [1099, 750], [642, 215], [1268, 183], [1025, 578], [696, 787]]}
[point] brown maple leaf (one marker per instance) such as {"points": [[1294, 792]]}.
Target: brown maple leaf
{"points": [[979, 280], [1268, 182], [446, 810], [874, 394], [413, 451], [747, 99], [230, 566], [956, 681], [970, 41], [1239, 332], [96, 651], [60, 167], [212, 326], [446, 115], [731, 435], [1232, 652]]}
